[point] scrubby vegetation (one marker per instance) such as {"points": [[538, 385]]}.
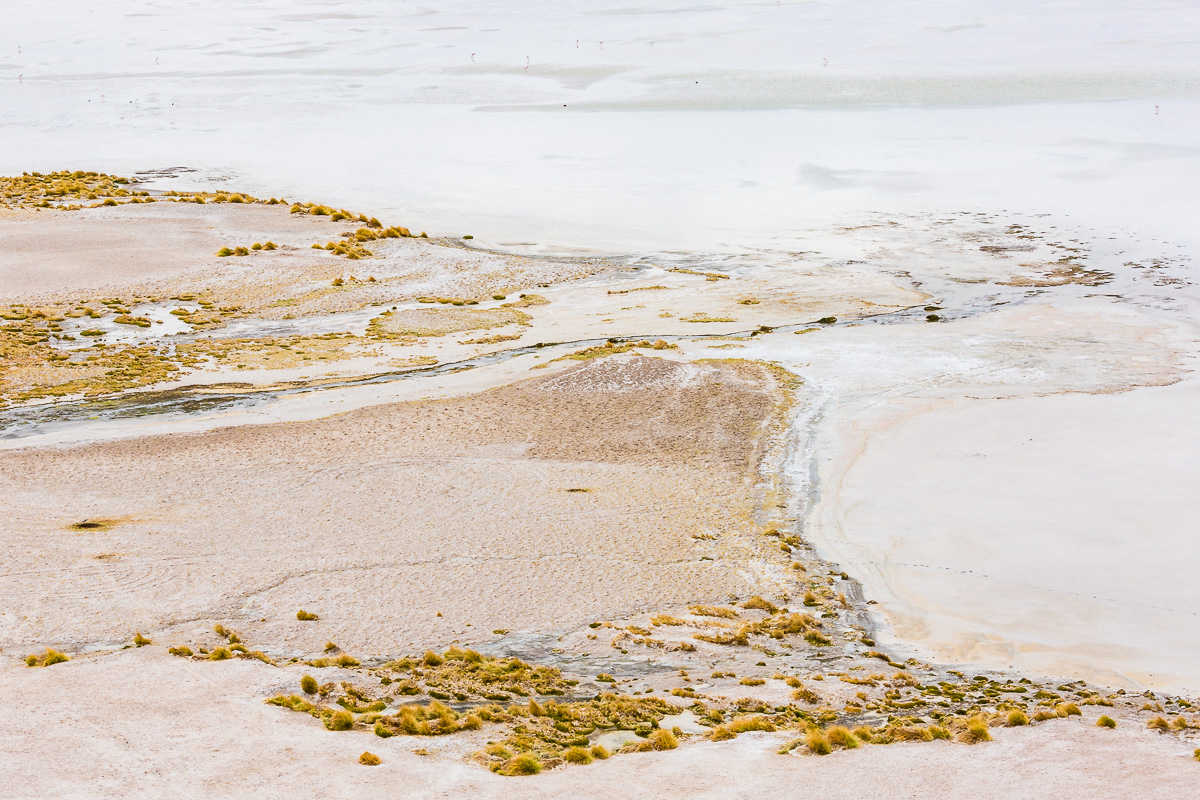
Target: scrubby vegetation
{"points": [[46, 659], [56, 189], [615, 346]]}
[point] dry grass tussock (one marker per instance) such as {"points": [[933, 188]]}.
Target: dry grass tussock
{"points": [[740, 725], [973, 731], [713, 611], [46, 659], [757, 602]]}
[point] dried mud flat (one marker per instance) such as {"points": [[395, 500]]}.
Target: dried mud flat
{"points": [[595, 551]]}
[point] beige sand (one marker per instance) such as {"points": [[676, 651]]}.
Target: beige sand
{"points": [[379, 519]]}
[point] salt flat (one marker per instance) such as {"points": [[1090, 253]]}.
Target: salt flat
{"points": [[869, 329], [1051, 533]]}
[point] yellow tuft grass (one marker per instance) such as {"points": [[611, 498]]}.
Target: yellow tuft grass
{"points": [[713, 611], [840, 736], [46, 659], [524, 764], [817, 743], [1067, 710], [974, 731], [340, 721], [759, 603], [663, 739], [578, 755], [369, 759]]}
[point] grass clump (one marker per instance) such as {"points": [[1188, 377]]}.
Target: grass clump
{"points": [[817, 743], [1158, 724], [1067, 710], [1016, 717], [1106, 721], [340, 721], [840, 736], [308, 684], [751, 681], [524, 764], [749, 723], [182, 651], [759, 603], [140, 640], [713, 611], [46, 659], [600, 752], [806, 695], [663, 739], [369, 759], [224, 252], [220, 654], [305, 616], [975, 730], [907, 733], [578, 755]]}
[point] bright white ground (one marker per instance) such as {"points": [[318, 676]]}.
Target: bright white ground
{"points": [[1053, 533]]}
